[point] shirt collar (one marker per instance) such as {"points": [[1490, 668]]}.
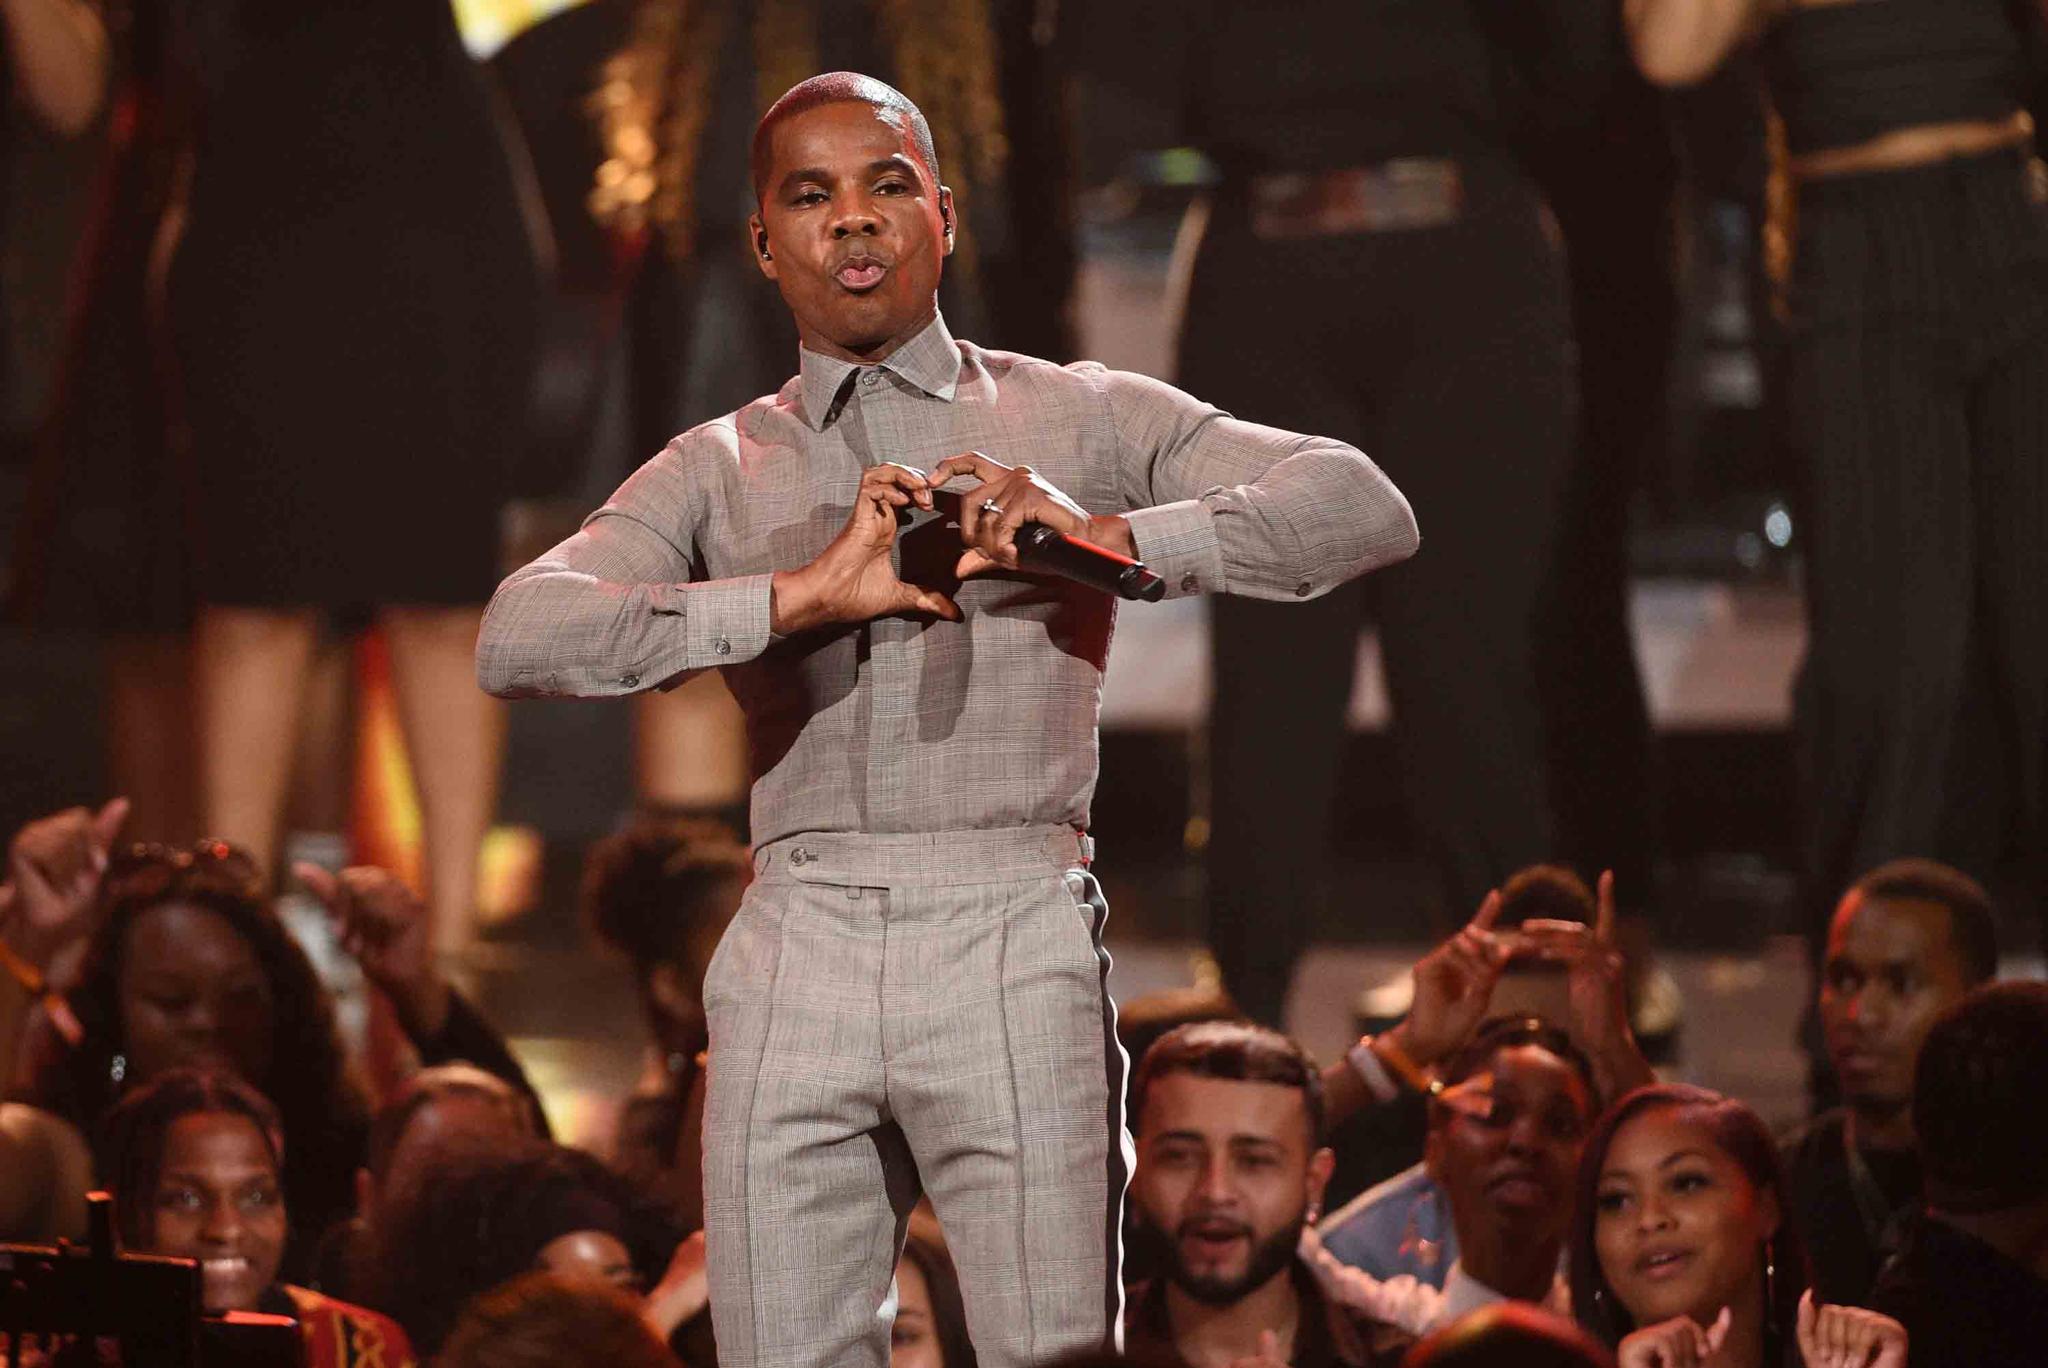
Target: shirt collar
{"points": [[1464, 1294], [929, 360]]}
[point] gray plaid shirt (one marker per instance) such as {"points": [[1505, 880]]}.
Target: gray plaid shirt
{"points": [[906, 724]]}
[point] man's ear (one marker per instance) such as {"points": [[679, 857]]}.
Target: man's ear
{"points": [[1321, 1165], [946, 215], [757, 241]]}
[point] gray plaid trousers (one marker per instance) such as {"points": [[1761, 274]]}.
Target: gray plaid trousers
{"points": [[893, 1014]]}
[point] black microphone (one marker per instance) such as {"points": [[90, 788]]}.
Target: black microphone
{"points": [[1042, 549]]}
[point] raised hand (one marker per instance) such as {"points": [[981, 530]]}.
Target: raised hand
{"points": [[1007, 498], [1596, 987], [683, 1291], [54, 867], [384, 926], [1680, 1342], [1453, 984], [1848, 1337], [853, 579]]}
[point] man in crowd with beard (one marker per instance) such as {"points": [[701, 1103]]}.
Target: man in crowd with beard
{"points": [[1908, 940], [1504, 1138], [1231, 1170]]}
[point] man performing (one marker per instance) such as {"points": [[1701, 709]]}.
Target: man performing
{"points": [[912, 996]]}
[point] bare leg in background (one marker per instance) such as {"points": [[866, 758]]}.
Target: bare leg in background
{"points": [[455, 734], [249, 672]]}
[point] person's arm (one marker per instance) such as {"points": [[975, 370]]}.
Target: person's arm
{"points": [[1596, 985], [1453, 984], [59, 51], [612, 610], [1219, 505], [54, 865], [1682, 42], [384, 927]]}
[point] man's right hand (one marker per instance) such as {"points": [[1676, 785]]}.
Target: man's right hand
{"points": [[54, 865], [853, 579]]}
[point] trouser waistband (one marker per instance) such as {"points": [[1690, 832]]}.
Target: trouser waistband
{"points": [[923, 858]]}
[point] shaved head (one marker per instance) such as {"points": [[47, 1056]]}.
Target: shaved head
{"points": [[841, 87]]}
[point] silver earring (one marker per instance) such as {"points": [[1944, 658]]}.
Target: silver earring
{"points": [[1770, 1273], [117, 1068]]}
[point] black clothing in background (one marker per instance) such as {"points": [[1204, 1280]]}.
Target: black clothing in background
{"points": [[1917, 387], [1843, 74], [351, 306], [318, 404], [1376, 340], [1444, 352], [1964, 1304], [1852, 1211]]}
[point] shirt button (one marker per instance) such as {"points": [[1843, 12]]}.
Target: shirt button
{"points": [[1190, 582], [870, 378], [722, 646], [799, 856], [1303, 589], [629, 681]]}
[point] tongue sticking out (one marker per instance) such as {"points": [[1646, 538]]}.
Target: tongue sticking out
{"points": [[862, 275]]}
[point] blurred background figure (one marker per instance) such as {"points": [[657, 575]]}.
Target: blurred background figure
{"points": [[1509, 1336], [544, 1320], [1908, 246], [267, 429], [1375, 261], [473, 1221], [661, 895], [931, 1319], [1971, 1286], [56, 59]]}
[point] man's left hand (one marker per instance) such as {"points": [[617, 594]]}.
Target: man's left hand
{"points": [[1019, 495], [385, 928], [1597, 990]]}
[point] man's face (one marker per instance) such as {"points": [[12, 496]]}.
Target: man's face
{"points": [[1891, 968], [1510, 1167], [1226, 1174], [855, 229]]}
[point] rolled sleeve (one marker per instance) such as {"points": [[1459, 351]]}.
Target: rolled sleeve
{"points": [[1178, 542]]}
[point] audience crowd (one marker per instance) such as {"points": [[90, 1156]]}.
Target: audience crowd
{"points": [[169, 1041]]}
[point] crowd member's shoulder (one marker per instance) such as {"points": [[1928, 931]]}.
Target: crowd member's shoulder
{"points": [[1815, 1142], [340, 1334]]}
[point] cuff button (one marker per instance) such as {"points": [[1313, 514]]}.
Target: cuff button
{"points": [[1190, 582], [629, 681], [1303, 589], [722, 646]]}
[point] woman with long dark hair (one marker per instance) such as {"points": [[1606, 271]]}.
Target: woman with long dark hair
{"points": [[188, 966], [1680, 1252]]}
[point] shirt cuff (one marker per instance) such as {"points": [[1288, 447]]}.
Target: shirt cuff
{"points": [[724, 621], [1177, 541]]}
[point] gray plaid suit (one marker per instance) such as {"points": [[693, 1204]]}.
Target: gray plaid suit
{"points": [[912, 996]]}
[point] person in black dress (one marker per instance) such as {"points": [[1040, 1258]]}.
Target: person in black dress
{"points": [[349, 312]]}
